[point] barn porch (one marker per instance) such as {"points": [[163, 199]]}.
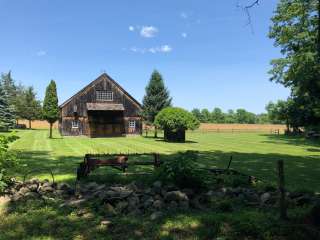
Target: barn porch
{"points": [[105, 119]]}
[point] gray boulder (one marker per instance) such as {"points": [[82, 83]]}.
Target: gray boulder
{"points": [[156, 215], [158, 204], [265, 197], [176, 196]]}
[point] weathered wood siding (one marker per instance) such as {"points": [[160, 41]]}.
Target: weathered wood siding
{"points": [[76, 108]]}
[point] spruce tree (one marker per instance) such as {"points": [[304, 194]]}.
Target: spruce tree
{"points": [[156, 98], [9, 87], [7, 119], [50, 105]]}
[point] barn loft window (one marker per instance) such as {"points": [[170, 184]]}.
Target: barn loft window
{"points": [[75, 124], [104, 96], [132, 124]]}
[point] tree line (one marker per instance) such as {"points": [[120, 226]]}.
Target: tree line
{"points": [[21, 102], [231, 116]]}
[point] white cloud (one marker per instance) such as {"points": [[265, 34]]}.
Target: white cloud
{"points": [[41, 53], [184, 15], [131, 28], [165, 48], [184, 35], [153, 50], [148, 31]]}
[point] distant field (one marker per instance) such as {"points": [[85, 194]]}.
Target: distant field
{"points": [[203, 127], [37, 124], [242, 127]]}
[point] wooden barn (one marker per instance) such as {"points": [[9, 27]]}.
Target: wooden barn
{"points": [[101, 109]]}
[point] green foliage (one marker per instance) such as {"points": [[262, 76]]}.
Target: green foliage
{"points": [[28, 106], [9, 87], [295, 30], [174, 119], [50, 105], [156, 98], [238, 116], [7, 118], [182, 171], [7, 160]]}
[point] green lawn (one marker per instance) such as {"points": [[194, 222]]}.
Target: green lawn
{"points": [[253, 153]]}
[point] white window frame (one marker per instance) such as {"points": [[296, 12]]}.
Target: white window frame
{"points": [[102, 95], [132, 124], [75, 124]]}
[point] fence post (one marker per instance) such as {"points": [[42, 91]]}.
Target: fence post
{"points": [[282, 196]]}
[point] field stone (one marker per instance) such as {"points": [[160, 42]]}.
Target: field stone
{"points": [[158, 204], [133, 201], [47, 184], [33, 187], [92, 185], [31, 195], [148, 203], [109, 209], [184, 205], [105, 223], [122, 205], [23, 190], [176, 196], [156, 215], [172, 205], [156, 187], [46, 189], [265, 197]]}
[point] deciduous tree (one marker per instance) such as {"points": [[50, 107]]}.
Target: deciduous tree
{"points": [[27, 105]]}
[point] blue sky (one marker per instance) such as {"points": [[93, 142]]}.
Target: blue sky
{"points": [[203, 48]]}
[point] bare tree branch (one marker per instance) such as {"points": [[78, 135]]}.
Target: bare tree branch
{"points": [[246, 9]]}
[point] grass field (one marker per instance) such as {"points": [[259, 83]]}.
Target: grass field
{"points": [[253, 153]]}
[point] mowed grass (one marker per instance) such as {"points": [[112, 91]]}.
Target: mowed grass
{"points": [[253, 153]]}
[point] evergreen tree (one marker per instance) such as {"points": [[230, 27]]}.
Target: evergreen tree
{"points": [[27, 106], [50, 105], [9, 87], [7, 119], [156, 98]]}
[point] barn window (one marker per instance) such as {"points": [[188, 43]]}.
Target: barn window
{"points": [[75, 124], [132, 124], [104, 96]]}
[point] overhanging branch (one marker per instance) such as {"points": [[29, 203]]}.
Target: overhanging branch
{"points": [[246, 9]]}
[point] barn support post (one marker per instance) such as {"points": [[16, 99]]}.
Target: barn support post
{"points": [[282, 196]]}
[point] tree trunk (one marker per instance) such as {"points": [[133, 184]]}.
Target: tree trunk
{"points": [[50, 133], [318, 38], [29, 124], [155, 132]]}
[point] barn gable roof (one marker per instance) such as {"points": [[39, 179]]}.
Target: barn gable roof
{"points": [[100, 78]]}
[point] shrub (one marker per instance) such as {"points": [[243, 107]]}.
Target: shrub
{"points": [[175, 121], [182, 171], [8, 160]]}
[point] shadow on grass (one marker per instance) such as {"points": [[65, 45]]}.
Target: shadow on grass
{"points": [[300, 171], [292, 140]]}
